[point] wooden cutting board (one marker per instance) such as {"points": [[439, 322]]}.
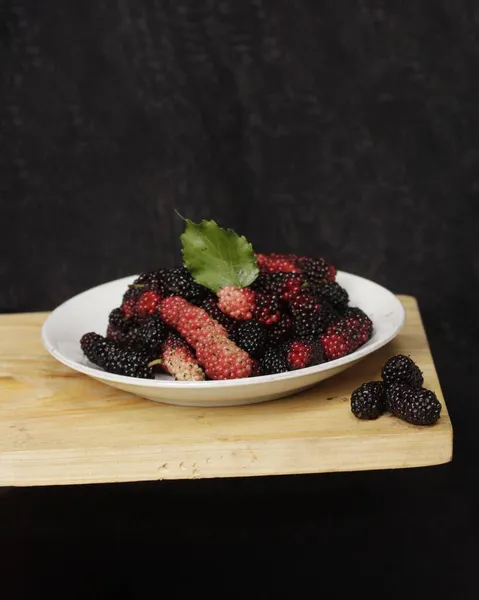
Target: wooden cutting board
{"points": [[61, 427]]}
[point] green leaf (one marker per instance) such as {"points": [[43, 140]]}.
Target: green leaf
{"points": [[217, 257]]}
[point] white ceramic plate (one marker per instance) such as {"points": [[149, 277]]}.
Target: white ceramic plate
{"points": [[89, 311]]}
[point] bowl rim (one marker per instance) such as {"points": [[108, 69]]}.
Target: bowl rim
{"points": [[361, 352]]}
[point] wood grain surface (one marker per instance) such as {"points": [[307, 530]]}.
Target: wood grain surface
{"points": [[61, 427]]}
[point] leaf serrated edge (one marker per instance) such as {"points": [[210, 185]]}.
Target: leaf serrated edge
{"points": [[248, 245]]}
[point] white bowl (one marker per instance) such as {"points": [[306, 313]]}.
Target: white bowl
{"points": [[89, 311]]}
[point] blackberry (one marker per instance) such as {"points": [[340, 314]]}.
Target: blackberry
{"points": [[274, 361], [261, 283], [122, 329], [357, 321], [98, 349], [117, 323], [333, 293], [316, 270], [95, 347], [130, 300], [210, 305], [368, 401], [113, 358], [267, 308], [328, 315], [116, 318], [281, 331], [150, 281], [179, 282], [256, 369], [416, 406], [151, 334], [251, 336], [130, 363], [132, 293], [282, 285], [402, 369], [113, 334], [353, 312], [143, 334], [310, 317], [129, 332]]}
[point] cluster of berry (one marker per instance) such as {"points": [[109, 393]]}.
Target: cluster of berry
{"points": [[400, 391], [294, 315]]}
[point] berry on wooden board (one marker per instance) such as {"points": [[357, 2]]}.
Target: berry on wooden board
{"points": [[400, 392], [416, 406], [368, 401], [402, 369]]}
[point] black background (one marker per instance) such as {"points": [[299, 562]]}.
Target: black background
{"points": [[348, 129]]}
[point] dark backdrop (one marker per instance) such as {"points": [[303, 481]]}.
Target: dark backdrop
{"points": [[349, 129]]}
